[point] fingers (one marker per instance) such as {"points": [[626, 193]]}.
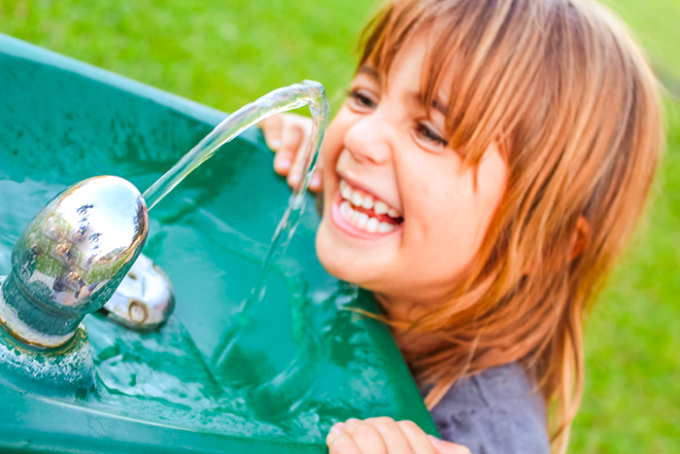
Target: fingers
{"points": [[376, 436], [391, 433], [284, 134], [292, 136], [288, 135], [315, 184], [444, 447], [386, 436], [271, 127], [417, 438], [339, 442], [292, 144], [367, 437]]}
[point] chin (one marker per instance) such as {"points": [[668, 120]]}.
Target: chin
{"points": [[328, 255], [335, 260]]}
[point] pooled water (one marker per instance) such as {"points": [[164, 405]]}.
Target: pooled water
{"points": [[301, 364], [281, 100], [301, 361], [242, 361]]}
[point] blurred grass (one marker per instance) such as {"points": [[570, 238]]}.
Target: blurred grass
{"points": [[656, 26], [225, 54], [632, 395]]}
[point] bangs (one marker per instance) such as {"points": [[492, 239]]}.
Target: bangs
{"points": [[478, 53]]}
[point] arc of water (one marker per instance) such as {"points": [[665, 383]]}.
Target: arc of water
{"points": [[284, 99], [308, 93]]}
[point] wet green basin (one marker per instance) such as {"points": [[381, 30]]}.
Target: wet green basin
{"points": [[305, 360]]}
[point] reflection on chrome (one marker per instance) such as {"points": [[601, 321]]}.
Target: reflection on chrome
{"points": [[144, 300], [71, 258]]}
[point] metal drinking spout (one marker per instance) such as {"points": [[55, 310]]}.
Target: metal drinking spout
{"points": [[144, 300], [70, 259]]}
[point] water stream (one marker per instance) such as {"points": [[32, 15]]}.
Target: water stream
{"points": [[307, 93], [269, 385], [241, 387], [295, 363], [281, 100]]}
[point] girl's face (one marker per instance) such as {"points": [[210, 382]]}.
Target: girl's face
{"points": [[400, 217]]}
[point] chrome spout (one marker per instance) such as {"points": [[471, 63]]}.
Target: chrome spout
{"points": [[70, 259]]}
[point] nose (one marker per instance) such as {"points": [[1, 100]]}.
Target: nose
{"points": [[369, 139]]}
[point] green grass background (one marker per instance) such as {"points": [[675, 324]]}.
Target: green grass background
{"points": [[227, 53]]}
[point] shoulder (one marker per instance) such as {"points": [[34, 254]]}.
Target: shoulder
{"points": [[495, 411]]}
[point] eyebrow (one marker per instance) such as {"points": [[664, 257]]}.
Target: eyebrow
{"points": [[437, 104], [370, 72]]}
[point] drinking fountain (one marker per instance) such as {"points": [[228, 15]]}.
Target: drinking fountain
{"points": [[177, 329]]}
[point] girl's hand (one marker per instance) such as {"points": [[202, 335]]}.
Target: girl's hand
{"points": [[386, 436], [288, 135]]}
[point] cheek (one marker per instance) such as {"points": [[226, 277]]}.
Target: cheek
{"points": [[453, 212], [328, 254], [333, 145], [493, 171], [330, 149], [333, 142]]}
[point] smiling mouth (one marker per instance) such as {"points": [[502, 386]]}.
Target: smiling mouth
{"points": [[363, 213]]}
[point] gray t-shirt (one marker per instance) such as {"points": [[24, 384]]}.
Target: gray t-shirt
{"points": [[497, 411]]}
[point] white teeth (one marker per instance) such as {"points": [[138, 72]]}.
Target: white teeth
{"points": [[345, 190], [380, 207], [345, 208], [354, 215], [362, 220], [368, 202], [372, 225], [385, 227], [358, 198]]}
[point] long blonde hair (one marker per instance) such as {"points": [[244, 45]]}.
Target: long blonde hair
{"points": [[565, 91]]}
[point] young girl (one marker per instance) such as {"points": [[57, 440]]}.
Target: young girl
{"points": [[480, 179]]}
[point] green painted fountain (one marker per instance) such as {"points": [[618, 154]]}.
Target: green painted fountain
{"points": [[182, 328]]}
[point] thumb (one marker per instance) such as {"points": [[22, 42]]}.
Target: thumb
{"points": [[444, 447]]}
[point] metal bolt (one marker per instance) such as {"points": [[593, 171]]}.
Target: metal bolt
{"points": [[138, 311]]}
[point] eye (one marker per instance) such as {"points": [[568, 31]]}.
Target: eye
{"points": [[361, 100], [429, 134]]}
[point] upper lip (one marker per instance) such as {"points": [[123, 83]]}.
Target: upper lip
{"points": [[358, 185]]}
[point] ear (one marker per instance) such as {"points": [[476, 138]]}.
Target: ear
{"points": [[579, 241], [580, 237]]}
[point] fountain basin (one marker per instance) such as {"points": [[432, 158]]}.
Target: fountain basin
{"points": [[303, 361]]}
